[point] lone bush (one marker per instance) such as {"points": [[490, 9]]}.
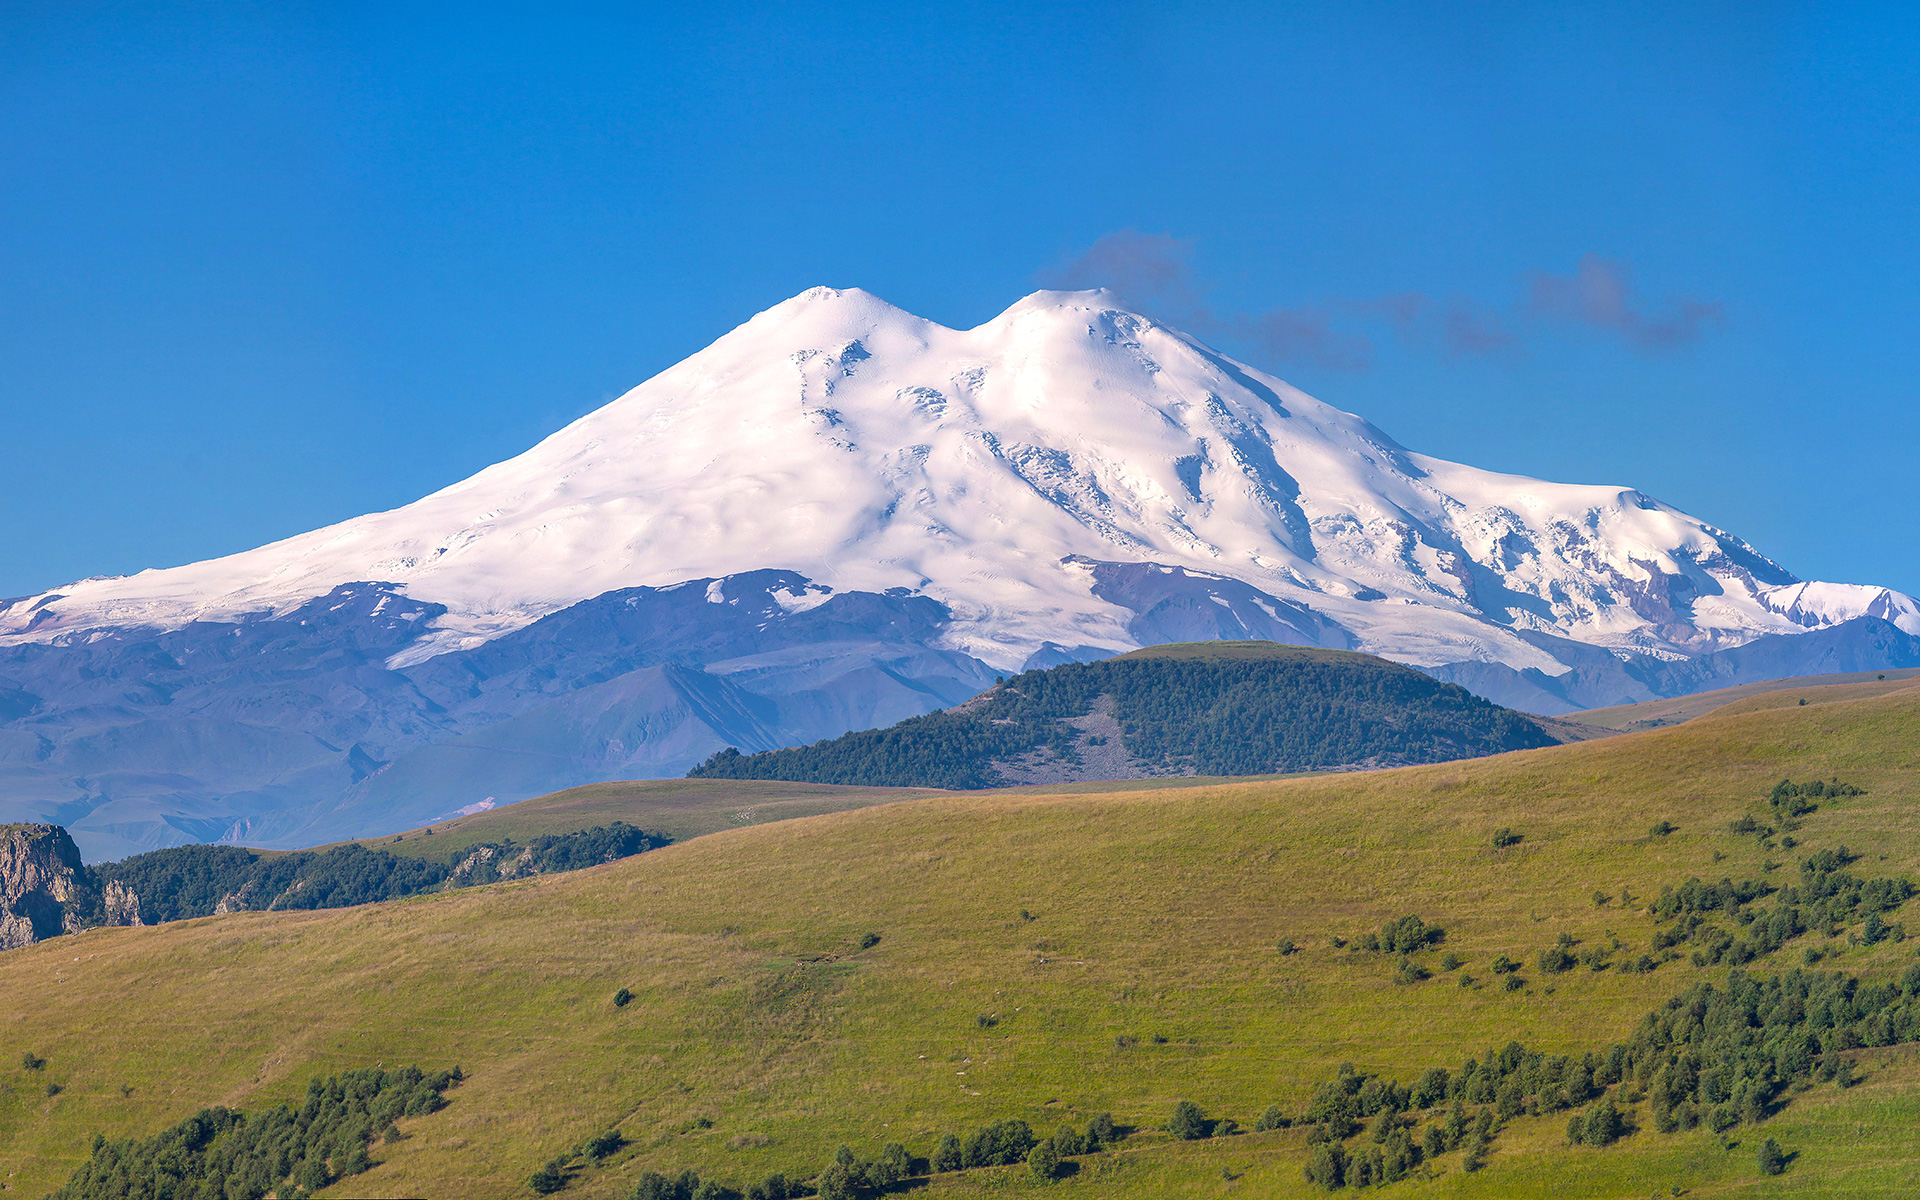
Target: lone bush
{"points": [[1504, 837], [1189, 1124], [1771, 1159], [1101, 1133], [622, 997]]}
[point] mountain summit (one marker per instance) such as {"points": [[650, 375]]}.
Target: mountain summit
{"points": [[1066, 481], [996, 470]]}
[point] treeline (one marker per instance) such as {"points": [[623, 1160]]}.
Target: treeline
{"points": [[196, 881], [1209, 717], [286, 1152], [848, 1176]]}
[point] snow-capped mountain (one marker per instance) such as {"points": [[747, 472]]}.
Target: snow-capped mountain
{"points": [[865, 448], [1065, 481]]}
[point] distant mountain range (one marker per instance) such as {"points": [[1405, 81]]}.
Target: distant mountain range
{"points": [[837, 516]]}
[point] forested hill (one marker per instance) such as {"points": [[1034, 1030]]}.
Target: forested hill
{"points": [[1202, 708]]}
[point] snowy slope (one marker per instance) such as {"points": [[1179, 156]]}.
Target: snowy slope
{"points": [[993, 469]]}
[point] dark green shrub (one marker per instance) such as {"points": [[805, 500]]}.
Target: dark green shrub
{"points": [[602, 1145], [946, 1156], [31, 1061], [1502, 965], [1327, 1165], [836, 1183], [621, 998], [1451, 961], [999, 1144], [1286, 946], [1044, 1161], [1514, 983], [869, 940], [549, 1178], [1271, 1119], [1101, 1133], [1556, 959], [1189, 1123], [1771, 1159], [1662, 828], [1068, 1142], [1504, 837], [1431, 1089]]}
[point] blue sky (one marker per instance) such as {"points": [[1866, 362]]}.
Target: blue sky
{"points": [[267, 266]]}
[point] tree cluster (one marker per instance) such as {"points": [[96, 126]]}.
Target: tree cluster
{"points": [[192, 881], [1716, 1056], [1826, 898], [223, 1154], [1210, 717]]}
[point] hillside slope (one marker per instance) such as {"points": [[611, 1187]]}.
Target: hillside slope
{"points": [[1201, 708], [1040, 957]]}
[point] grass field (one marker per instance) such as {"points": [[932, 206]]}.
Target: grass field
{"points": [[1652, 714], [762, 1036]]}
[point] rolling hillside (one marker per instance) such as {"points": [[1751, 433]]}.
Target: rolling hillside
{"points": [[1041, 957], [1194, 708]]}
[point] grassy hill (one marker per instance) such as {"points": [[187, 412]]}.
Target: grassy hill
{"points": [[1207, 708], [1652, 714], [1044, 957]]}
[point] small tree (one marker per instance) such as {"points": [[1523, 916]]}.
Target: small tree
{"points": [[1772, 1159], [1100, 1131], [1504, 837], [946, 1156], [1189, 1123], [1327, 1165], [622, 997], [1067, 1142], [1044, 1160], [1273, 1118], [835, 1183], [1603, 1124], [1662, 828], [549, 1178]]}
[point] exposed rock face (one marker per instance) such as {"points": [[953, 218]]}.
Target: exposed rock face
{"points": [[487, 865], [121, 903], [44, 887]]}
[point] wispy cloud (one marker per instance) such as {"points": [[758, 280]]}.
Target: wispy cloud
{"points": [[1153, 272], [1600, 293]]}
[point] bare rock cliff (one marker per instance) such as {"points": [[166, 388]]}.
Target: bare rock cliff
{"points": [[44, 887]]}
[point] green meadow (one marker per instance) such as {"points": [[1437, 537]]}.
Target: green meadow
{"points": [[1040, 955]]}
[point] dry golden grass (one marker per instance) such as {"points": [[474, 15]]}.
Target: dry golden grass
{"points": [[1154, 913]]}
